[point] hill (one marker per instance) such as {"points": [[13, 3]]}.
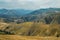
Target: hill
{"points": [[11, 13], [40, 13], [30, 29], [33, 24], [28, 16]]}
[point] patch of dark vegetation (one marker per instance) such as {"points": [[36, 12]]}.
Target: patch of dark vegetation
{"points": [[5, 32]]}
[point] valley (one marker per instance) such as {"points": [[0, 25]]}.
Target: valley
{"points": [[42, 24]]}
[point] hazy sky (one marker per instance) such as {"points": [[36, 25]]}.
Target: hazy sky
{"points": [[29, 4]]}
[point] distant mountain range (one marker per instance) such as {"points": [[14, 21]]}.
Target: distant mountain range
{"points": [[28, 15], [41, 13], [13, 13], [47, 10]]}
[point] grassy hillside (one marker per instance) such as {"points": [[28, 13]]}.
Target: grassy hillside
{"points": [[30, 29]]}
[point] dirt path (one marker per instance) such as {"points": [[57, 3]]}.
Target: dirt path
{"points": [[15, 37]]}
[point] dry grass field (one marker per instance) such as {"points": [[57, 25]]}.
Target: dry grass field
{"points": [[16, 37], [29, 27]]}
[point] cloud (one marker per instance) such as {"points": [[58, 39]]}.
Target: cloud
{"points": [[29, 4]]}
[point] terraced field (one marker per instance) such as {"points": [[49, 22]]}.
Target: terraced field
{"points": [[16, 37]]}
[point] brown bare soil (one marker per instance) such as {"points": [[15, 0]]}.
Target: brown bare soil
{"points": [[16, 37]]}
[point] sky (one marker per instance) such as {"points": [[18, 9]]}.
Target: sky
{"points": [[29, 4]]}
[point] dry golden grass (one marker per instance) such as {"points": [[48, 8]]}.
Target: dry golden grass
{"points": [[32, 29], [3, 25], [16, 37]]}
